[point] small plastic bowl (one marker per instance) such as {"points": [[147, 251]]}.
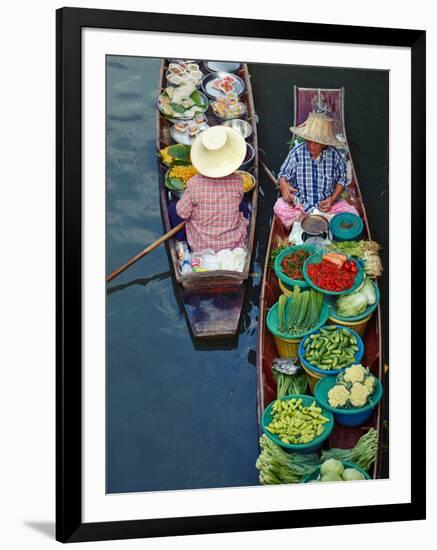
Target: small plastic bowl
{"points": [[302, 448], [317, 258], [347, 417], [358, 355], [287, 281], [312, 477]]}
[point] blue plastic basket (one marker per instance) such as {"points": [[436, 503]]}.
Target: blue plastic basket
{"points": [[356, 416], [357, 359]]}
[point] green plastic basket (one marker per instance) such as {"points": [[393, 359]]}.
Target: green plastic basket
{"points": [[272, 322], [317, 258], [313, 445], [359, 317], [278, 269], [311, 477]]}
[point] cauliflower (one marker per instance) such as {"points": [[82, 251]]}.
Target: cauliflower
{"points": [[338, 396], [355, 373], [358, 394], [369, 382]]}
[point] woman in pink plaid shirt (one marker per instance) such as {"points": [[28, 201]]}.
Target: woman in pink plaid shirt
{"points": [[212, 202]]}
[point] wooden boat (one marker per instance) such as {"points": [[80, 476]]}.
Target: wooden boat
{"points": [[307, 100], [212, 300]]}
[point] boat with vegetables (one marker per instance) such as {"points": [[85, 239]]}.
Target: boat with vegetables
{"points": [[320, 336], [212, 299]]}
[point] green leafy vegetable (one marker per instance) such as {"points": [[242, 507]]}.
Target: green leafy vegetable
{"points": [[277, 466], [363, 454]]}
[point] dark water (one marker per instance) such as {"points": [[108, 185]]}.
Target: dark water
{"points": [[182, 415]]}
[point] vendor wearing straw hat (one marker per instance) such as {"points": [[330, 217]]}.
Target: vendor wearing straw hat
{"points": [[314, 172], [212, 201]]}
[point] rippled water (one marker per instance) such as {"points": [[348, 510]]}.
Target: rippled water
{"points": [[180, 414]]}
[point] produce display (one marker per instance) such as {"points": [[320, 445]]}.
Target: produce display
{"points": [[277, 466], [363, 454], [175, 154], [184, 73], [364, 250], [290, 378], [330, 349], [293, 423], [355, 303], [228, 107], [292, 264], [334, 273], [184, 102], [333, 470], [177, 177], [299, 313], [354, 388]]}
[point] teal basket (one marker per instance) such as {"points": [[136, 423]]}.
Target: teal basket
{"points": [[317, 258], [346, 227], [310, 447], [272, 322], [288, 282], [368, 311], [312, 477]]}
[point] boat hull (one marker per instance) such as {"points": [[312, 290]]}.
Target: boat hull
{"points": [[306, 100], [212, 300]]}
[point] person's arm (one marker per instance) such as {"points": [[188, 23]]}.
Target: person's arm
{"points": [[342, 182], [286, 175]]}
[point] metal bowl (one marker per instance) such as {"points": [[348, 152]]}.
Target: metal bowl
{"points": [[224, 119], [314, 225], [222, 66], [241, 126], [250, 155], [213, 93]]}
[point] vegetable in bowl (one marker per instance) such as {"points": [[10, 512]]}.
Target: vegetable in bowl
{"points": [[336, 470]]}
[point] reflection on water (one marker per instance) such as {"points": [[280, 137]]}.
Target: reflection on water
{"points": [[181, 413]]}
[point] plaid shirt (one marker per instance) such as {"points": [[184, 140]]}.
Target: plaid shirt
{"points": [[315, 180], [211, 206]]}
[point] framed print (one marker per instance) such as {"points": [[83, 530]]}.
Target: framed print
{"points": [[240, 229]]}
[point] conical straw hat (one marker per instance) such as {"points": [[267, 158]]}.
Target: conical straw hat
{"points": [[318, 127], [218, 151]]}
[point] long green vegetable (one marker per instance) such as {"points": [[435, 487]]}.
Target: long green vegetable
{"points": [[363, 454], [277, 466], [299, 313], [290, 384]]}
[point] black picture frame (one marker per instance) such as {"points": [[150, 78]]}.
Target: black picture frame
{"points": [[69, 24]]}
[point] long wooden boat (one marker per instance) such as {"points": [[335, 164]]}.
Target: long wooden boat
{"points": [[307, 100], [213, 300]]}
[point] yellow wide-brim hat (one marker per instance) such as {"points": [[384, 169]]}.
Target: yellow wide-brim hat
{"points": [[218, 152], [318, 127]]}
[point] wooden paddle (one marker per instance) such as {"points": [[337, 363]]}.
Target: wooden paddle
{"points": [[269, 173], [144, 252]]}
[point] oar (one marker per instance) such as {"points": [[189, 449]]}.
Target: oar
{"points": [[145, 251], [269, 173]]}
